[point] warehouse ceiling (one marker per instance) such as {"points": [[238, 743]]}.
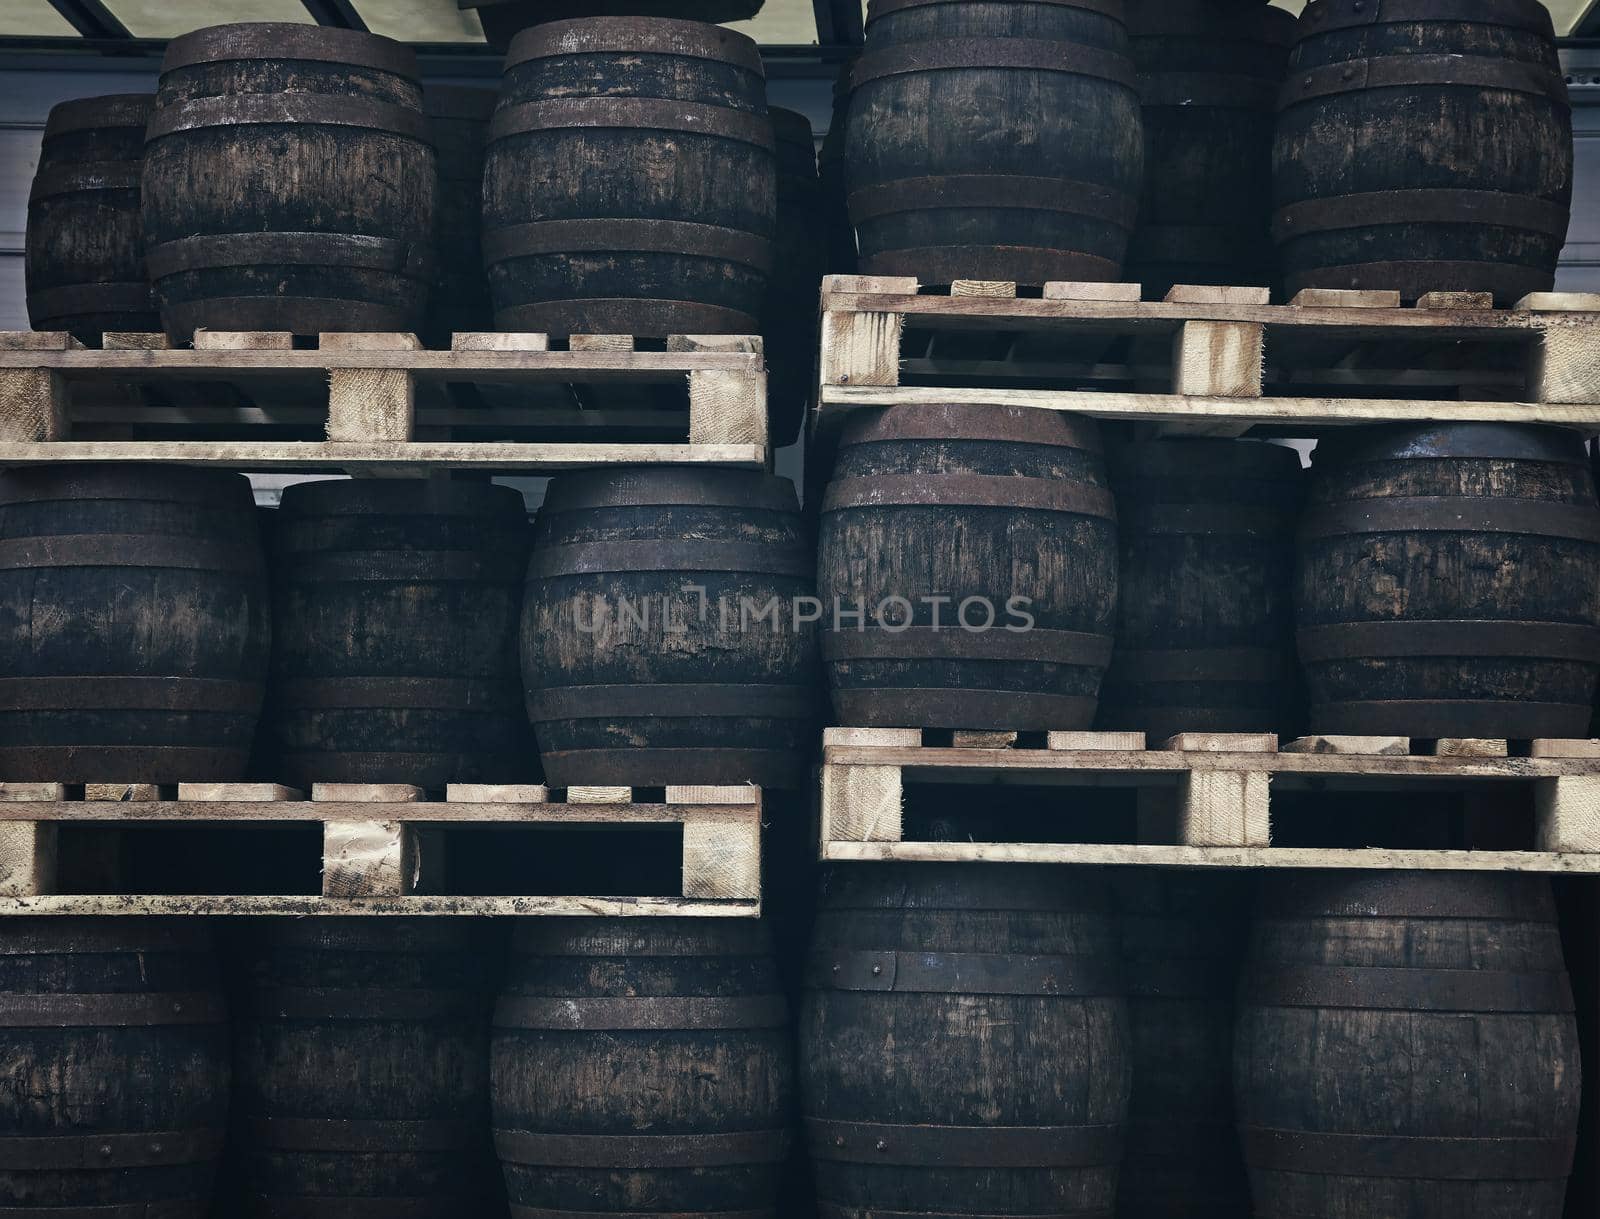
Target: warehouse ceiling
{"points": [[781, 23]]}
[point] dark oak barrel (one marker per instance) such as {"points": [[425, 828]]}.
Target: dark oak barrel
{"points": [[1423, 147], [396, 606], [85, 244], [1449, 583], [1183, 937], [133, 624], [994, 139], [504, 19], [114, 1100], [965, 1046], [1205, 612], [631, 184], [289, 182], [1406, 1045], [800, 258], [981, 545], [458, 121], [661, 640], [1209, 74], [642, 1067], [833, 176], [362, 1069]]}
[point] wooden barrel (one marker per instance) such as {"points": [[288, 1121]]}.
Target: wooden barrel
{"points": [[115, 1097], [1423, 147], [800, 259], [133, 624], [395, 615], [289, 182], [85, 244], [1205, 615], [361, 1081], [968, 563], [642, 1067], [630, 185], [964, 1043], [1406, 1046], [505, 19], [833, 175], [1449, 583], [1209, 74], [458, 122], [1182, 937], [662, 641], [997, 140]]}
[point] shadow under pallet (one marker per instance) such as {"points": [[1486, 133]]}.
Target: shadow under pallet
{"points": [[1210, 800]]}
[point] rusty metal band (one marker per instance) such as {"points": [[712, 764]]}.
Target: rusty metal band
{"points": [[1320, 16], [100, 114], [964, 973], [361, 1135], [402, 567], [1418, 638], [1536, 518], [1422, 206], [700, 119], [1422, 71], [990, 55], [316, 1206], [1482, 717], [1232, 520], [778, 766], [711, 1150], [634, 36], [1431, 895], [1408, 1157], [130, 550], [290, 41], [116, 693], [960, 421], [947, 1147], [951, 642], [621, 236], [667, 1013], [668, 701], [133, 1010], [963, 707], [640, 558], [638, 315], [1106, 8], [1208, 90], [55, 180], [137, 298], [288, 110], [357, 766], [366, 1003], [1200, 664], [427, 693], [545, 1212], [352, 250], [1377, 988], [1010, 492], [666, 486], [1012, 192], [1033, 264], [107, 1151]]}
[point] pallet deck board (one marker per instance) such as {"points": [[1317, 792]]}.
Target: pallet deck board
{"points": [[98, 905], [332, 456]]}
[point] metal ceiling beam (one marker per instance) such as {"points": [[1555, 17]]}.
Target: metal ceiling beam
{"points": [[1588, 23], [91, 18], [340, 13], [838, 22]]}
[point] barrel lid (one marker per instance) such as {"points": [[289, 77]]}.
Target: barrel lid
{"points": [[287, 40], [644, 486], [1440, 895], [155, 483], [459, 102], [622, 937], [1420, 442], [635, 36], [402, 497], [98, 113], [947, 421], [1200, 457]]}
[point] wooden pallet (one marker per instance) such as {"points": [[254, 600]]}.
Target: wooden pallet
{"points": [[1205, 799], [372, 402], [376, 840], [1210, 360]]}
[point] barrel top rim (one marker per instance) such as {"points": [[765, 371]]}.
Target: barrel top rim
{"points": [[1537, 20], [281, 40], [1024, 425], [1253, 458], [71, 115], [642, 35], [314, 498], [646, 486], [1442, 441]]}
